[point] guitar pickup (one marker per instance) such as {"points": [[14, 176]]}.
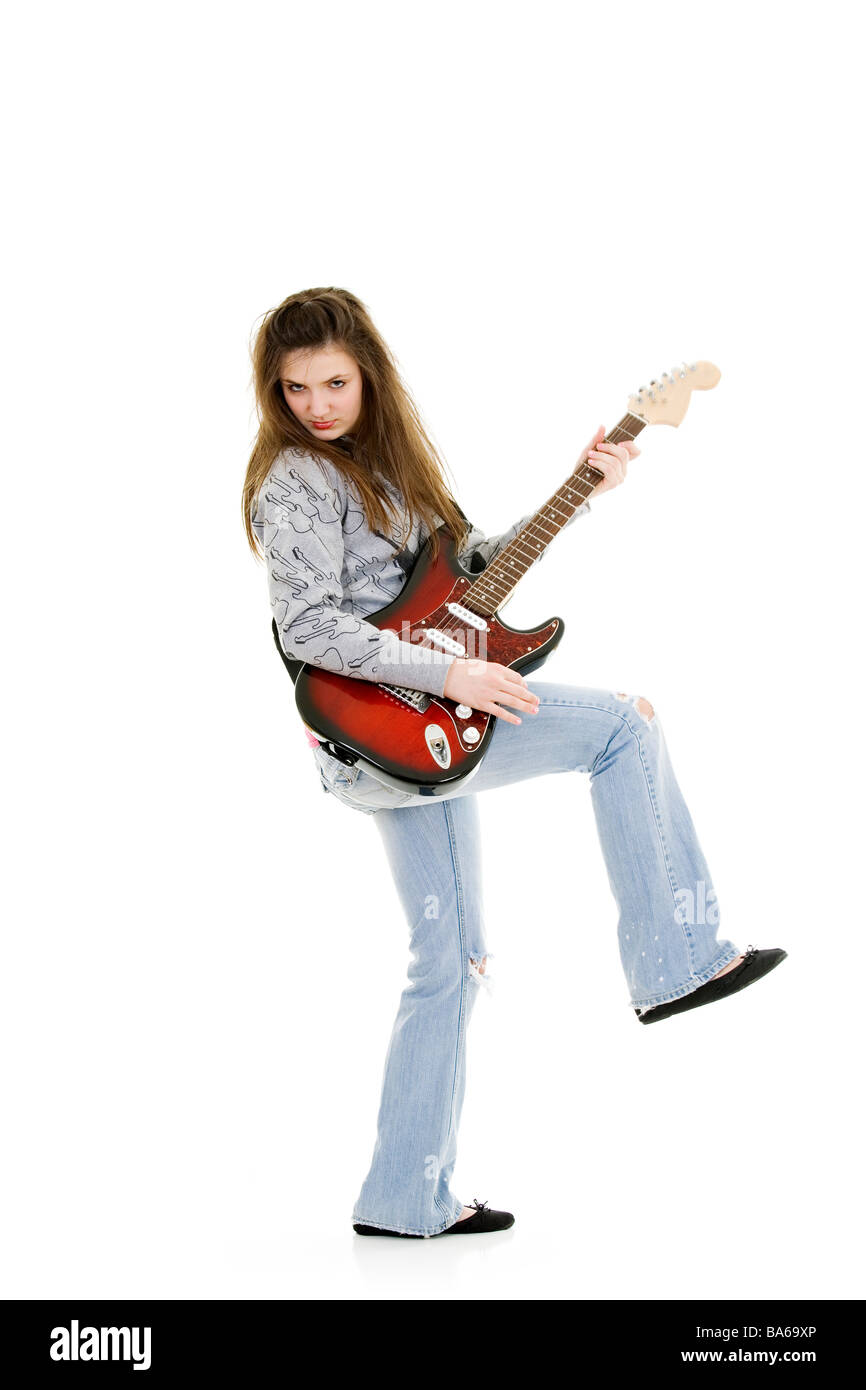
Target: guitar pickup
{"points": [[447, 644], [465, 615]]}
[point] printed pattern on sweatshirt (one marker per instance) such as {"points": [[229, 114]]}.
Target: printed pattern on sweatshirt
{"points": [[328, 571]]}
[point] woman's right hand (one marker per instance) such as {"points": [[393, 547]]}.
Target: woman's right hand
{"points": [[487, 686]]}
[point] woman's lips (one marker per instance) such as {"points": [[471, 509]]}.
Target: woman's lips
{"points": [[325, 424]]}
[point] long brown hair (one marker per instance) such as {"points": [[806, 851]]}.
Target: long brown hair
{"points": [[389, 435]]}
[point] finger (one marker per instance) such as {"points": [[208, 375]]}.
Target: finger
{"points": [[515, 701], [616, 459], [509, 677], [616, 450], [520, 697], [612, 477], [596, 438], [513, 690], [602, 462], [500, 713], [512, 684]]}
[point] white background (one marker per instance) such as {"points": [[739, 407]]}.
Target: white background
{"points": [[542, 207]]}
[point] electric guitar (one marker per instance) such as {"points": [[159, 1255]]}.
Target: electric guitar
{"points": [[424, 743]]}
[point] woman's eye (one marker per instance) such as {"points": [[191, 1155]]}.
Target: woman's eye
{"points": [[338, 381]]}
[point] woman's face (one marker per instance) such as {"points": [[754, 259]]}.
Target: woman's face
{"points": [[323, 390]]}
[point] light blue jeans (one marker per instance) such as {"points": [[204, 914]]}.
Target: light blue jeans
{"points": [[667, 927]]}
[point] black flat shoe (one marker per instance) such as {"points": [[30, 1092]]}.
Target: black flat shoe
{"points": [[484, 1220], [754, 964]]}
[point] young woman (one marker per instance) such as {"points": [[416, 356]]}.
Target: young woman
{"points": [[343, 487]]}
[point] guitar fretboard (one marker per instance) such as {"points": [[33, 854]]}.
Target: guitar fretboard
{"points": [[505, 572]]}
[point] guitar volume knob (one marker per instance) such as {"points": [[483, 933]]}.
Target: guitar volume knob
{"points": [[471, 735], [463, 711]]}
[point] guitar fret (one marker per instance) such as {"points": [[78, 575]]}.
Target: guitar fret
{"points": [[521, 541], [506, 570]]}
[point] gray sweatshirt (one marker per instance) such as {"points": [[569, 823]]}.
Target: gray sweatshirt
{"points": [[327, 571]]}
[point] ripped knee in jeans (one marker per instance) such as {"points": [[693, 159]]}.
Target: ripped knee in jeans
{"points": [[643, 706], [478, 970]]}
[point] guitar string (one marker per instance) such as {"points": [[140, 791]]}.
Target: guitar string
{"points": [[478, 597], [516, 555]]}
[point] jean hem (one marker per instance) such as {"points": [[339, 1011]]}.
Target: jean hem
{"points": [[401, 1230], [651, 1001]]}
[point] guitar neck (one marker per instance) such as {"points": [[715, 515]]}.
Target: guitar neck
{"points": [[501, 577]]}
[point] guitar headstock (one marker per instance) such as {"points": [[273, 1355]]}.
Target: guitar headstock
{"points": [[666, 401]]}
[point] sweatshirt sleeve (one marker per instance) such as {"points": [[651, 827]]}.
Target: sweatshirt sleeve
{"points": [[486, 548], [299, 522]]}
